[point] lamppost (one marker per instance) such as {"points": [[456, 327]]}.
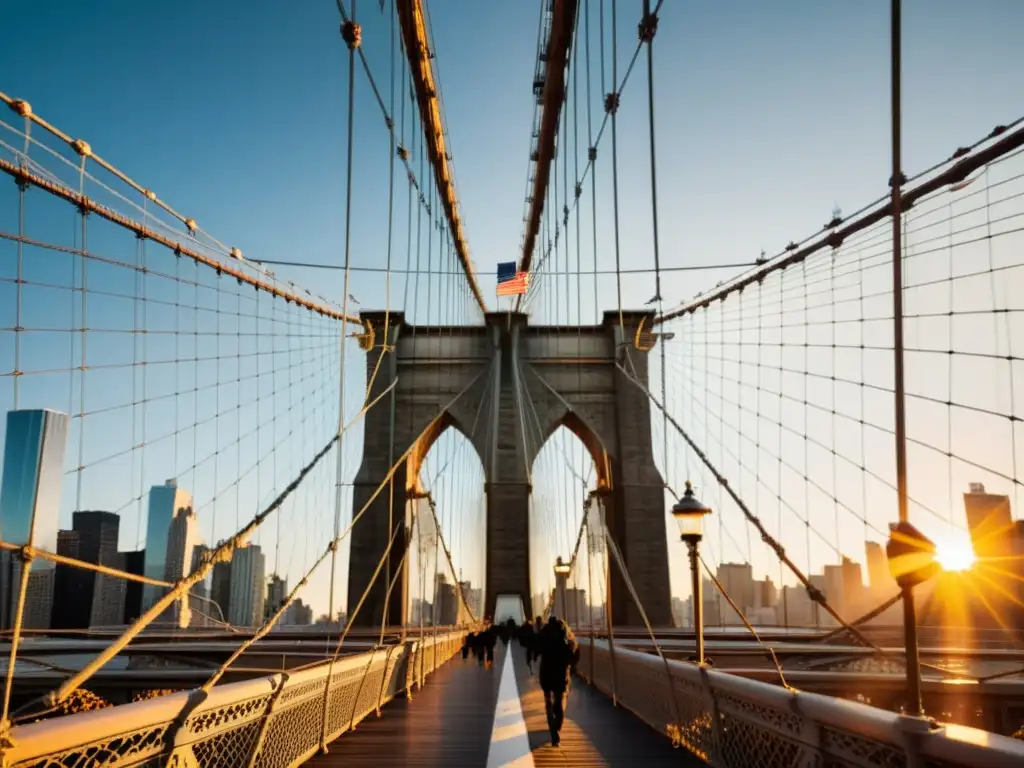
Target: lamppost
{"points": [[689, 513], [911, 557], [562, 571]]}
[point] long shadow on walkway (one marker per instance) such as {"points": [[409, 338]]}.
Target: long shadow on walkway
{"points": [[595, 732], [447, 723]]}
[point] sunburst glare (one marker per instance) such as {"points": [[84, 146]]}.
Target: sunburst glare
{"points": [[954, 551]]}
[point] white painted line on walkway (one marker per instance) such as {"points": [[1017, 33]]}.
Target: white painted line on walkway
{"points": [[510, 742]]}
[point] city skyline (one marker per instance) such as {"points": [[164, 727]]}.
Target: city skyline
{"points": [[277, 441], [242, 599], [201, 442], [776, 206]]}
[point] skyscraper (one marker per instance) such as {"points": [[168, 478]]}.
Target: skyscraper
{"points": [[92, 539], [998, 542], [182, 537], [203, 613], [277, 593], [29, 506], [109, 596], [133, 561], [220, 591], [818, 616], [835, 593], [737, 579], [882, 582], [297, 614], [854, 597], [446, 602], [989, 521], [164, 501], [248, 589]]}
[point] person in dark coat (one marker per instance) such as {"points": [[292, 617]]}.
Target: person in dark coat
{"points": [[527, 639], [559, 653], [489, 639], [508, 631]]}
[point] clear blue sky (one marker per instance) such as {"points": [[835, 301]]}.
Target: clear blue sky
{"points": [[768, 114]]}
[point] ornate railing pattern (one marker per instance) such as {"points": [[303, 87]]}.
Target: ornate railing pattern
{"points": [[270, 722], [732, 722]]}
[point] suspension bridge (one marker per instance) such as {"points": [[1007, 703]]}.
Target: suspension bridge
{"points": [[236, 453]]}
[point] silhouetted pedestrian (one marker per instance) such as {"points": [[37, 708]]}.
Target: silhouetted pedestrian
{"points": [[559, 653], [508, 631], [488, 639], [528, 639]]}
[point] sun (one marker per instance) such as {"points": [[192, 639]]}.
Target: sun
{"points": [[955, 553]]}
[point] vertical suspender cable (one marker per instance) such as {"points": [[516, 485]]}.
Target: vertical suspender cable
{"points": [[385, 348], [592, 153], [895, 184], [913, 661], [612, 106], [351, 35]]}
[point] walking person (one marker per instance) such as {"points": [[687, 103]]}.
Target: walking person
{"points": [[538, 625], [528, 639], [559, 653], [490, 639]]}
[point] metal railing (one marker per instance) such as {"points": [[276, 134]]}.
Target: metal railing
{"points": [[732, 722], [270, 722]]}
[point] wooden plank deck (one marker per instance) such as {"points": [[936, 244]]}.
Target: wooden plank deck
{"points": [[449, 723], [595, 731], [446, 723]]}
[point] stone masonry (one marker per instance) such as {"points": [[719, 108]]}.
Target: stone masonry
{"points": [[516, 384]]}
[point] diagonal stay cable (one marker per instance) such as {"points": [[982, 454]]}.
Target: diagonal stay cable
{"points": [[333, 544], [448, 557], [221, 553], [813, 592], [746, 623]]}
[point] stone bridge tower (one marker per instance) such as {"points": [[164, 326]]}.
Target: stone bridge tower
{"points": [[516, 384]]}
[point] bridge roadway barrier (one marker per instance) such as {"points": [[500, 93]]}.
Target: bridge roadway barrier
{"points": [[268, 722], [732, 722]]}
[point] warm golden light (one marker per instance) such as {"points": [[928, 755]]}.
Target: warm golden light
{"points": [[954, 552]]}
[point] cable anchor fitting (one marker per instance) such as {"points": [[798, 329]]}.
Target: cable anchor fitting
{"points": [[81, 147], [611, 103], [26, 554], [647, 27], [352, 34], [22, 107]]}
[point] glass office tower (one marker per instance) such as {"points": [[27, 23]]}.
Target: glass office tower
{"points": [[248, 587], [33, 471], [164, 501]]}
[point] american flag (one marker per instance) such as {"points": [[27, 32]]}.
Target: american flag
{"points": [[515, 285]]}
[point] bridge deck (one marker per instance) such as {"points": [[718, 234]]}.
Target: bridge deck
{"points": [[475, 717]]}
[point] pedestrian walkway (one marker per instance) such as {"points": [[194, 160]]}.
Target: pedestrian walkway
{"points": [[468, 716], [448, 722], [595, 731]]}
